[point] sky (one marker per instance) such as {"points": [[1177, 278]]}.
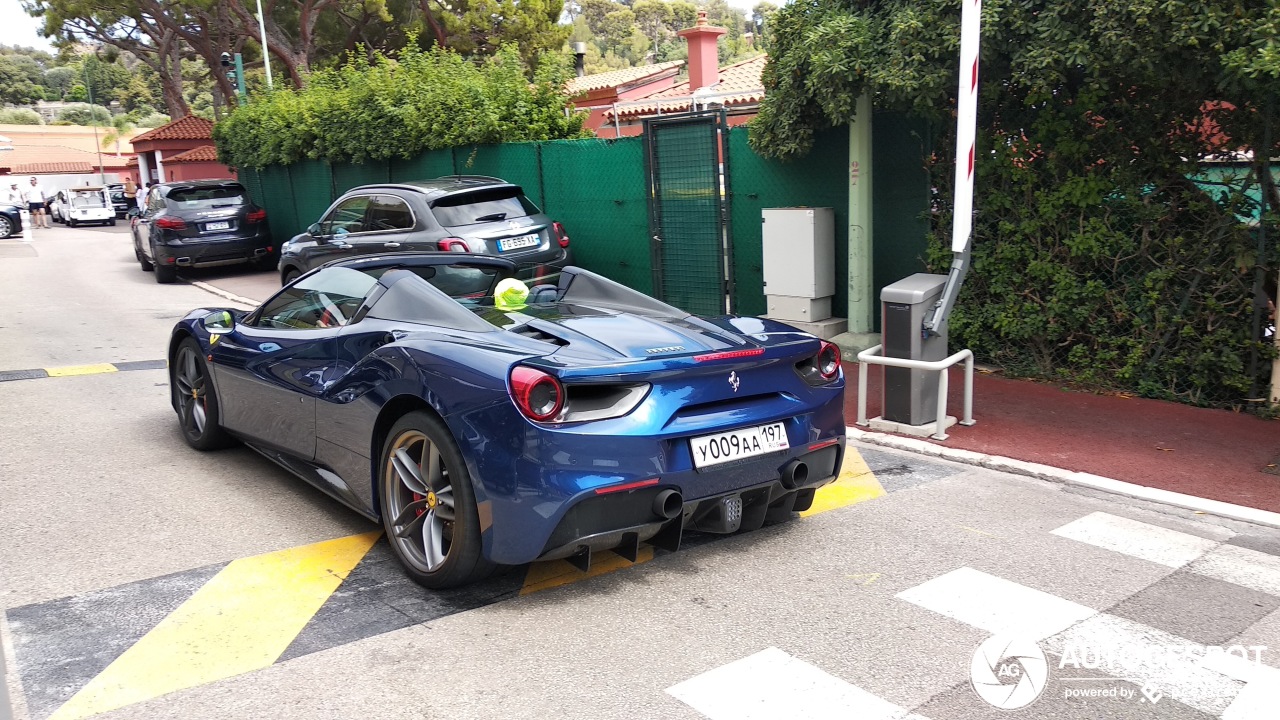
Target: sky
{"points": [[19, 28]]}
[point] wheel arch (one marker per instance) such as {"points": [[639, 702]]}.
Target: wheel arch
{"points": [[395, 408]]}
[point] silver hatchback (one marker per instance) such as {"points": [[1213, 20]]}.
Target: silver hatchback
{"points": [[458, 213]]}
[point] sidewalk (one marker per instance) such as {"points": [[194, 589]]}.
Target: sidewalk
{"points": [[1214, 454]]}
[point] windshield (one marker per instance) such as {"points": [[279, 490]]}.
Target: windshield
{"points": [[208, 196], [482, 206]]}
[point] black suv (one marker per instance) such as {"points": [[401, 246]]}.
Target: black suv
{"points": [[459, 213], [199, 223], [121, 204]]}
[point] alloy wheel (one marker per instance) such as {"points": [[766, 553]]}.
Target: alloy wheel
{"points": [[192, 388], [420, 499]]}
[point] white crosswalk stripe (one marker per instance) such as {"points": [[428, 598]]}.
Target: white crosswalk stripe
{"points": [[1144, 541], [772, 685], [996, 605], [1241, 566]]}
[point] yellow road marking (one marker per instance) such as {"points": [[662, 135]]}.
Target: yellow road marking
{"points": [[243, 619], [864, 579], [68, 370], [546, 575], [856, 484]]}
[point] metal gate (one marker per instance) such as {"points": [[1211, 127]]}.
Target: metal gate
{"points": [[687, 180]]}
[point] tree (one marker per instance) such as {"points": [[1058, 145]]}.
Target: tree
{"points": [[121, 126], [144, 29], [761, 21], [1098, 254], [57, 81], [101, 79], [16, 84]]}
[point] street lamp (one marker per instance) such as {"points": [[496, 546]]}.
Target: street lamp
{"points": [[88, 86]]}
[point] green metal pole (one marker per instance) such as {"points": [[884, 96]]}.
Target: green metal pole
{"points": [[240, 94]]}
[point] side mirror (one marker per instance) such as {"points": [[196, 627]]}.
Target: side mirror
{"points": [[219, 322], [314, 230]]}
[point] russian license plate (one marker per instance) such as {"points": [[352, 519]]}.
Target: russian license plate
{"points": [[516, 243], [729, 446], [217, 226]]}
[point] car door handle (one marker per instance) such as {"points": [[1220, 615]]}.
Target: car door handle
{"points": [[391, 245], [342, 245]]}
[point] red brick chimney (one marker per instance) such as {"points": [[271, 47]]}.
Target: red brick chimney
{"points": [[704, 61]]}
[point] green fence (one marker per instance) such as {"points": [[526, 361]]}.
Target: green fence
{"points": [[596, 188]]}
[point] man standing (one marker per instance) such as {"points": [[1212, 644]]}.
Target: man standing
{"points": [[130, 190], [14, 196], [35, 203]]}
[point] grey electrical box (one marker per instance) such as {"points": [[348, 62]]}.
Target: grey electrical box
{"points": [[911, 396], [799, 255]]}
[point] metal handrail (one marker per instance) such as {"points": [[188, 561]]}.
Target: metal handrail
{"points": [[871, 356]]}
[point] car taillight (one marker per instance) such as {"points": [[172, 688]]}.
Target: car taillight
{"points": [[828, 361], [538, 395], [171, 223], [560, 234], [256, 216], [453, 244]]}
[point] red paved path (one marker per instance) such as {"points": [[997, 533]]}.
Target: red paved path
{"points": [[1213, 454]]}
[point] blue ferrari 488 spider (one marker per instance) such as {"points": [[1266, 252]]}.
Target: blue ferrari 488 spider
{"points": [[586, 416]]}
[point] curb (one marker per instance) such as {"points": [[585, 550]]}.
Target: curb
{"points": [[1069, 477], [240, 299]]}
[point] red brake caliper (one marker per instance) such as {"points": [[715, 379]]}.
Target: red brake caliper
{"points": [[423, 509]]}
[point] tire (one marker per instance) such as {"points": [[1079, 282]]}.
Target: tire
{"points": [[443, 509], [143, 261], [289, 276], [72, 222], [166, 274], [111, 222], [6, 227], [195, 399]]}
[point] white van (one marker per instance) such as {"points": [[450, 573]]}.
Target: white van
{"points": [[90, 204]]}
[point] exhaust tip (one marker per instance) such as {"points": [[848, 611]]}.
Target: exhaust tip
{"points": [[795, 474], [668, 504]]}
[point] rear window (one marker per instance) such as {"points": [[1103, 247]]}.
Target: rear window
{"points": [[183, 198], [483, 206], [87, 199]]}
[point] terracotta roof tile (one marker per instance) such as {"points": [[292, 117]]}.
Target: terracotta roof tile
{"points": [[599, 81], [741, 80], [53, 168], [204, 153], [191, 127]]}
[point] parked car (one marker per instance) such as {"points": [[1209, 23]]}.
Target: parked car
{"points": [[56, 206], [480, 432], [78, 205], [460, 213], [121, 203], [199, 223], [10, 220]]}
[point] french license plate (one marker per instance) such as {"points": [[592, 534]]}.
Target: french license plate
{"points": [[516, 243], [217, 226], [729, 446]]}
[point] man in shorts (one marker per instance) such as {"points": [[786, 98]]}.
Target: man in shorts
{"points": [[35, 203]]}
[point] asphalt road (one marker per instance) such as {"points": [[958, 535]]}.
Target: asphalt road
{"points": [[141, 579]]}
